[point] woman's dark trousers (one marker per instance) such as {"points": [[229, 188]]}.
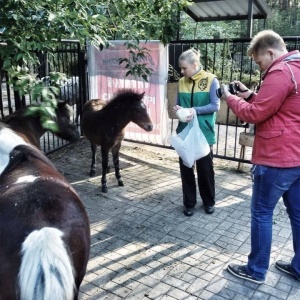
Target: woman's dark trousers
{"points": [[206, 182]]}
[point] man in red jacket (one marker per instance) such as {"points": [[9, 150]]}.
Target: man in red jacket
{"points": [[275, 111]]}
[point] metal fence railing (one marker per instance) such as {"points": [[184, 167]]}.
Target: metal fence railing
{"points": [[227, 59], [68, 58]]}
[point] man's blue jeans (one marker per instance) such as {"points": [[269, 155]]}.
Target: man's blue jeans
{"points": [[269, 185]]}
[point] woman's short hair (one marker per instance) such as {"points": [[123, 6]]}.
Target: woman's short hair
{"points": [[191, 56], [265, 39]]}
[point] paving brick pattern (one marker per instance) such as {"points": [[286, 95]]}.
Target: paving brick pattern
{"points": [[143, 247]]}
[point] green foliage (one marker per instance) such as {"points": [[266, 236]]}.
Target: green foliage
{"points": [[39, 89], [208, 30], [35, 26], [32, 27], [44, 89], [46, 111], [136, 62], [285, 20], [136, 20]]}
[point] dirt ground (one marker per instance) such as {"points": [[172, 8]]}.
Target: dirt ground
{"points": [[142, 245], [129, 152]]}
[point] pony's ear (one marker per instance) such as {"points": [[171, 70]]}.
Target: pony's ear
{"points": [[141, 96], [61, 102], [63, 105]]}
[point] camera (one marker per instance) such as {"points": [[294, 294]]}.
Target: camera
{"points": [[233, 88]]}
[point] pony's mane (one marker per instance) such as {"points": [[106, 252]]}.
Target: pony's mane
{"points": [[15, 115], [124, 96]]}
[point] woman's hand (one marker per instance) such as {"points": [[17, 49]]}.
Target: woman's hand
{"points": [[186, 115], [176, 107], [191, 116]]}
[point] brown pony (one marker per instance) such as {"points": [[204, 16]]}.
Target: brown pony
{"points": [[30, 126], [44, 228], [103, 124]]}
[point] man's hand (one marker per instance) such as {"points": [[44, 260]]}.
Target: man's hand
{"points": [[225, 91], [243, 92]]}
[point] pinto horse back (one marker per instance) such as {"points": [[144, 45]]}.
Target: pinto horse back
{"points": [[44, 230]]}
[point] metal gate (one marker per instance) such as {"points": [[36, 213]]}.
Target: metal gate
{"points": [[68, 58], [225, 58], [229, 61]]}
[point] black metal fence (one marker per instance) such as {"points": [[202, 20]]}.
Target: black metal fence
{"points": [[68, 58], [228, 60], [225, 58]]}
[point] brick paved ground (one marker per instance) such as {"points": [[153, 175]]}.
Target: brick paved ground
{"points": [[143, 247]]}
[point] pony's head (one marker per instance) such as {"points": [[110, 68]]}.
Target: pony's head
{"points": [[67, 130], [30, 123], [132, 103], [139, 113]]}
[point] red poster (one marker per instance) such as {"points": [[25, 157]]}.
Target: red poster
{"points": [[107, 77]]}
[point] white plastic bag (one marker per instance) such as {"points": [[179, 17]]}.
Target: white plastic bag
{"points": [[190, 144]]}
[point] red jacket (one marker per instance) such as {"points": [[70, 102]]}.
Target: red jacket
{"points": [[276, 112]]}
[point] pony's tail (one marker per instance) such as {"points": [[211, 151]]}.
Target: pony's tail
{"points": [[46, 270]]}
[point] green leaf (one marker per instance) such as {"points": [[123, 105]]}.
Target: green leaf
{"points": [[50, 125], [51, 16]]}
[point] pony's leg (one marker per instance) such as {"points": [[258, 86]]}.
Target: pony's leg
{"points": [[93, 165], [104, 153], [115, 153]]}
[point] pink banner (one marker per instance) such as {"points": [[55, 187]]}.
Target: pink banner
{"points": [[107, 77]]}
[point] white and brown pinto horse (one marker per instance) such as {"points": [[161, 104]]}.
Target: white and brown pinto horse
{"points": [[44, 228]]}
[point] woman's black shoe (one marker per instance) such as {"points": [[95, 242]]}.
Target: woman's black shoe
{"points": [[209, 209], [188, 211]]}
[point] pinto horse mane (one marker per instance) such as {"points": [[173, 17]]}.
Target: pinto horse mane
{"points": [[23, 153], [22, 110]]}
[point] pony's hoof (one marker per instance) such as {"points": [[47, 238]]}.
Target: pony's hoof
{"points": [[104, 189], [120, 182], [92, 173]]}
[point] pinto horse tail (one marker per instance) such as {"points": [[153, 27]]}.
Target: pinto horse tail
{"points": [[46, 270]]}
